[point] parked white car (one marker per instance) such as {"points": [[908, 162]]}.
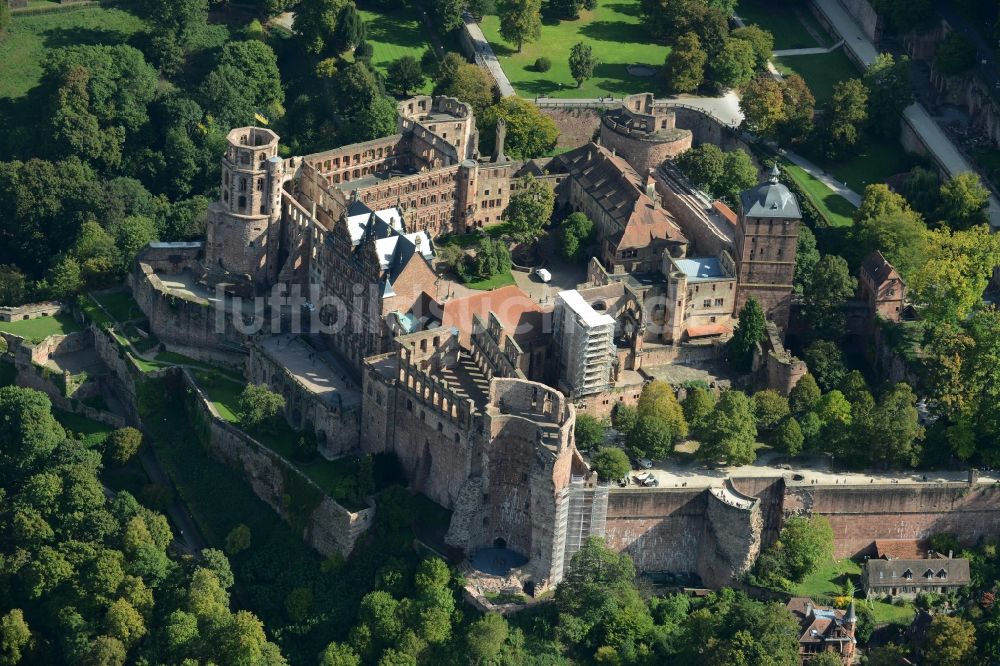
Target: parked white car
{"points": [[646, 479]]}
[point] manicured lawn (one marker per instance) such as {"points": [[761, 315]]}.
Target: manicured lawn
{"points": [[95, 313], [837, 210], [780, 22], [501, 280], [119, 305], [394, 34], [614, 30], [828, 582], [36, 330], [93, 432], [878, 160], [821, 71]]}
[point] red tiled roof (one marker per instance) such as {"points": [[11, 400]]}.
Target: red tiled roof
{"points": [[725, 211], [514, 308], [708, 329], [907, 549], [648, 222]]}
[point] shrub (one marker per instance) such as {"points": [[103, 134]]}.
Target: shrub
{"points": [[543, 64], [238, 539]]}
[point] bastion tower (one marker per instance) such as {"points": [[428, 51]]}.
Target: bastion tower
{"points": [[766, 239], [244, 226]]}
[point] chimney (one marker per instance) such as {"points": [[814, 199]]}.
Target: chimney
{"points": [[501, 137]]}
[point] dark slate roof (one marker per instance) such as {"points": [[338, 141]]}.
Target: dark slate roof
{"points": [[880, 270], [893, 572], [770, 199], [358, 207]]}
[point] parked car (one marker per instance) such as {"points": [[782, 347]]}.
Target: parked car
{"points": [[646, 480], [644, 463]]}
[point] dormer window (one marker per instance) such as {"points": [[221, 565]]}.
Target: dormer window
{"points": [[908, 575], [942, 574], [928, 574]]}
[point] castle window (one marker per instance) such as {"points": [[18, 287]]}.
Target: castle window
{"points": [[409, 405], [263, 207], [260, 184], [711, 320], [225, 178], [250, 244], [225, 197], [440, 427], [243, 202], [707, 303], [719, 302], [243, 184]]}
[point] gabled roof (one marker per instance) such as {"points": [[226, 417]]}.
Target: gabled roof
{"points": [[377, 224], [395, 252], [951, 571], [647, 223], [879, 269], [521, 316]]}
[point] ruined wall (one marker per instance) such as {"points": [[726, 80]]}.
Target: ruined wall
{"points": [[732, 537], [30, 311], [577, 127], [337, 429], [860, 514], [323, 523], [642, 152], [181, 320]]}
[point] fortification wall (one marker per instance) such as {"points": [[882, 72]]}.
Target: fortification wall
{"points": [[859, 515], [865, 16], [323, 523], [732, 536], [644, 154], [577, 127], [660, 529], [337, 429]]}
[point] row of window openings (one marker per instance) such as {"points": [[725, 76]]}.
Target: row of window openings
{"points": [[241, 203], [243, 183]]}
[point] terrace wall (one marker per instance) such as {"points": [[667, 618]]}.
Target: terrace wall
{"points": [[308, 509]]}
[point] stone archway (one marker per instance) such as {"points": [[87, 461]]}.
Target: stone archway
{"points": [[500, 543]]}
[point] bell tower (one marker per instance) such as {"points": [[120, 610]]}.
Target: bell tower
{"points": [[244, 225]]}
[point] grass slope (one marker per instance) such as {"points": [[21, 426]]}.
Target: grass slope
{"points": [[837, 210], [828, 582], [92, 432], [119, 305], [821, 71], [614, 31], [394, 34], [782, 23]]}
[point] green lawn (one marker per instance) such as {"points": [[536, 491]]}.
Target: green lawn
{"points": [[821, 71], [36, 330], [495, 282], [615, 32], [783, 24], [878, 160], [119, 305], [837, 210], [828, 582], [394, 34], [222, 390], [93, 432]]}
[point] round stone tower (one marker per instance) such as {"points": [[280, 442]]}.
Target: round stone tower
{"points": [[244, 226]]}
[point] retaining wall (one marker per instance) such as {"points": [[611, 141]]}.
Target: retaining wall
{"points": [[308, 509]]}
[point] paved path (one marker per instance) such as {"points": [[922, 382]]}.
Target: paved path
{"points": [[821, 175], [285, 20], [486, 57], [817, 50], [937, 142], [698, 475]]}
